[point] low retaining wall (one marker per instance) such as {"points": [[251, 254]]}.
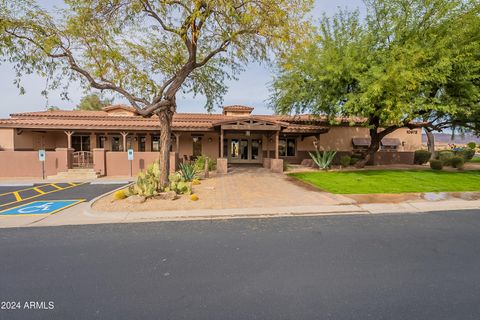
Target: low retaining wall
{"points": [[117, 164], [14, 164], [386, 158], [380, 158]]}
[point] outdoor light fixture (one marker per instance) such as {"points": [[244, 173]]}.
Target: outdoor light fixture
{"points": [[195, 139], [247, 133], [210, 139]]}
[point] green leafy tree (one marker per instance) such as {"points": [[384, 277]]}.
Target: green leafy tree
{"points": [[148, 50], [408, 63], [93, 102]]}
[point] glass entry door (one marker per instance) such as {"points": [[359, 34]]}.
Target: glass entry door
{"points": [[244, 150], [81, 143]]}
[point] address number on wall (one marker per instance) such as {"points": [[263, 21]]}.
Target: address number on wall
{"points": [[412, 131]]}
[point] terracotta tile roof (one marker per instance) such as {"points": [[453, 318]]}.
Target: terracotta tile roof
{"points": [[293, 128], [106, 120], [237, 108]]}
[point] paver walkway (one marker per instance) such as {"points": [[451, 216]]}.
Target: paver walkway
{"points": [[257, 187]]}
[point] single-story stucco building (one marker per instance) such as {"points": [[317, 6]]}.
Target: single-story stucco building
{"points": [[100, 139]]}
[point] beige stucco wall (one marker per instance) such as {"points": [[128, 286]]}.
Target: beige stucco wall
{"points": [[30, 140], [7, 139], [209, 148], [340, 139], [411, 139]]}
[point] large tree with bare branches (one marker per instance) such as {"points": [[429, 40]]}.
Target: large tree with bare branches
{"points": [[147, 50]]}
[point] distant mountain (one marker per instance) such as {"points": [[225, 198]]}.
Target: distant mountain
{"points": [[445, 138]]}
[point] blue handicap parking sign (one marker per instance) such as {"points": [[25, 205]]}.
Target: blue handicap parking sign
{"points": [[41, 207]]}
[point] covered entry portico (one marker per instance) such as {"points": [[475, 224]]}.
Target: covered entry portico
{"points": [[243, 140]]}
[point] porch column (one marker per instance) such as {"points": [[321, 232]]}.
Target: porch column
{"points": [[69, 138], [148, 142], [93, 141], [268, 145], [318, 143], [177, 142], [277, 136], [124, 135], [221, 143]]}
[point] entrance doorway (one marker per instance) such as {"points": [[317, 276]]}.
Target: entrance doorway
{"points": [[82, 156], [243, 150]]}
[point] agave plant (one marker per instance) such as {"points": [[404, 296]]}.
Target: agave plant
{"points": [[188, 171], [323, 159]]}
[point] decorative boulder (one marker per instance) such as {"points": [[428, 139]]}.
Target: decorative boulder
{"points": [[170, 195], [136, 199]]}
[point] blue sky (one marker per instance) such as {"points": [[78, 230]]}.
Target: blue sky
{"points": [[252, 87]]}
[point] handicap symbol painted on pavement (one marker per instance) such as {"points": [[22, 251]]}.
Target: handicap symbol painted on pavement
{"points": [[40, 207]]}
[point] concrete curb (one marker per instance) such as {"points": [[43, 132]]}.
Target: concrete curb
{"points": [[237, 213]]}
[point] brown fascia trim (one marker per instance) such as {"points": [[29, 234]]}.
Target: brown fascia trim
{"points": [[136, 128]]}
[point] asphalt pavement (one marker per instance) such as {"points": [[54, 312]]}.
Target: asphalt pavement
{"points": [[13, 196], [398, 266]]}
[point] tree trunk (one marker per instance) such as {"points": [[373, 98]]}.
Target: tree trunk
{"points": [[430, 142], [370, 152], [165, 117]]}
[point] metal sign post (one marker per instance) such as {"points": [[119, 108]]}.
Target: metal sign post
{"points": [[130, 158], [41, 158]]}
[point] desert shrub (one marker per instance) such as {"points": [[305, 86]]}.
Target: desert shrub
{"points": [[200, 163], [354, 159], [179, 184], [436, 164], [466, 153], [323, 159], [188, 171], [345, 161], [446, 157], [472, 145], [422, 156], [148, 182], [457, 162]]}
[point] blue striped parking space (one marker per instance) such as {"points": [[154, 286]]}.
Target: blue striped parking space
{"points": [[17, 195]]}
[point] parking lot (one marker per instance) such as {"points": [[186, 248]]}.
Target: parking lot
{"points": [[48, 198]]}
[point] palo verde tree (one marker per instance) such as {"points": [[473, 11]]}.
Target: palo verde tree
{"points": [[147, 50], [407, 63]]}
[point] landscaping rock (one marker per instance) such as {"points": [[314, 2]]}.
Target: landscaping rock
{"points": [[170, 195], [136, 199]]}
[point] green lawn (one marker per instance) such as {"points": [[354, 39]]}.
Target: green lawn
{"points": [[394, 181], [475, 160]]}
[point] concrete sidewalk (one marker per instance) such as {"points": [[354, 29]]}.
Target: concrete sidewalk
{"points": [[83, 214]]}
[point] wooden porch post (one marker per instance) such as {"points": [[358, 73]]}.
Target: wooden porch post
{"points": [[277, 136], [148, 142], [221, 143], [268, 145], [177, 142], [69, 138], [124, 135], [93, 141]]}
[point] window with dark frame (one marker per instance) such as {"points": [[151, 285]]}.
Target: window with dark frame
{"points": [[101, 142], [142, 143], [286, 147], [156, 143]]}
